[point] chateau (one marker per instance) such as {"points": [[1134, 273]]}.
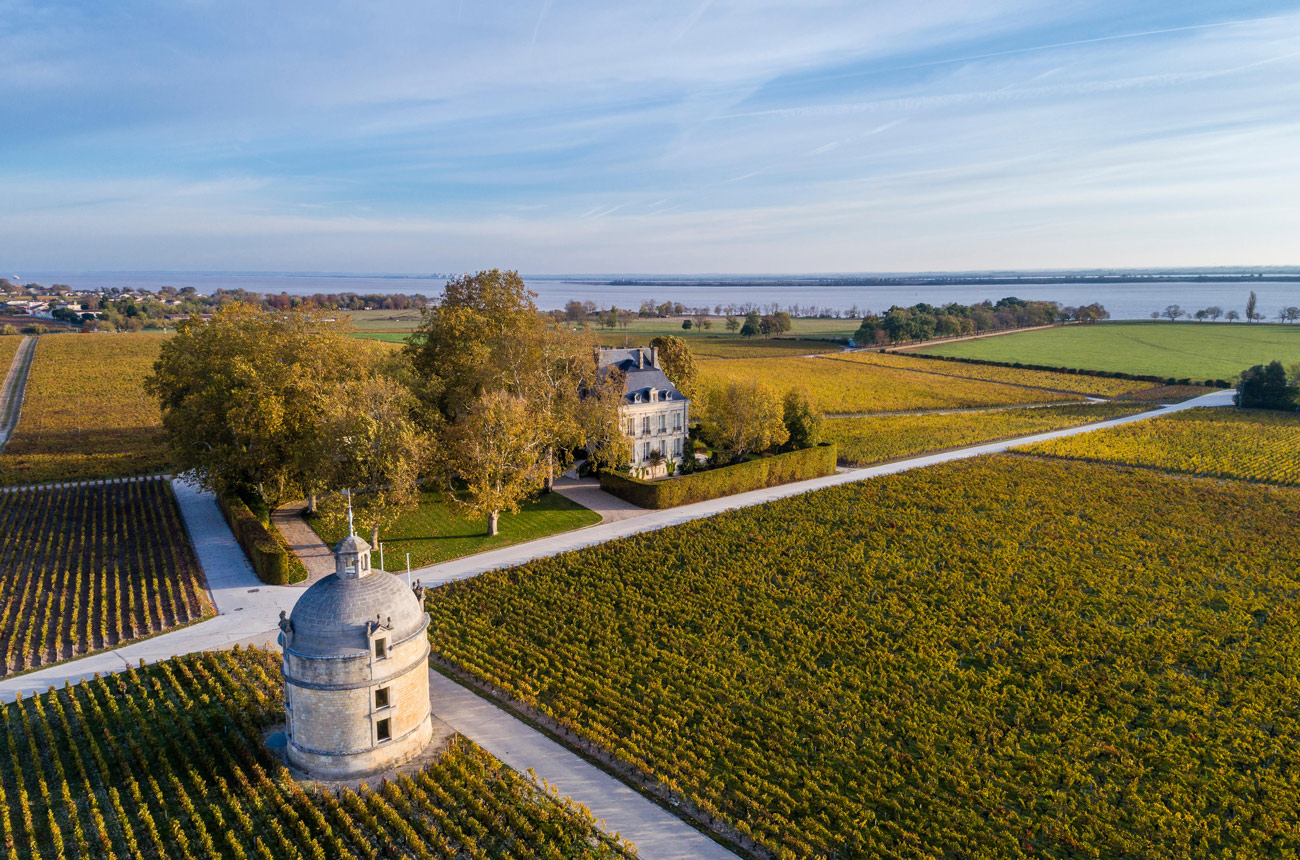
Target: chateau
{"points": [[356, 673], [655, 414]]}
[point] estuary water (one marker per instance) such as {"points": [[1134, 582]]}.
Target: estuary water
{"points": [[1124, 301]]}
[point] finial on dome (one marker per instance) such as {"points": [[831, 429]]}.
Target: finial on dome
{"points": [[352, 532]]}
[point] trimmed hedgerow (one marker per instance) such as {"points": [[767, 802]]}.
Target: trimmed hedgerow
{"points": [[727, 481]]}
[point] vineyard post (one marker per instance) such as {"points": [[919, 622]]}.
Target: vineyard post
{"points": [[381, 556]]}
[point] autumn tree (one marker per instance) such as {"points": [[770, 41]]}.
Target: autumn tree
{"points": [[741, 418], [372, 447], [486, 337], [242, 395], [497, 449], [678, 364]]}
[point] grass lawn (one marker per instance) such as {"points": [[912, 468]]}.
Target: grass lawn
{"points": [[1183, 350], [438, 529]]}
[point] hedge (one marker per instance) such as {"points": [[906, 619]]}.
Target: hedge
{"points": [[265, 554], [772, 471], [1078, 371]]}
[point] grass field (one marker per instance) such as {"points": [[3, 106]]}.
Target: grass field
{"points": [[1251, 445], [438, 529], [862, 441], [847, 387], [1195, 351], [168, 762], [86, 414], [997, 658], [89, 567]]}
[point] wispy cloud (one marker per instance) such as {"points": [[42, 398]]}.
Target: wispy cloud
{"points": [[561, 136]]}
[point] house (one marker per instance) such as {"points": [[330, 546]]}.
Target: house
{"points": [[655, 414]]}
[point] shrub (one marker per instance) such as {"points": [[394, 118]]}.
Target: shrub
{"points": [[1266, 388], [265, 554], [724, 481]]}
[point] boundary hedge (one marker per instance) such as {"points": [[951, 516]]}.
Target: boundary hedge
{"points": [[1078, 371], [773, 471], [265, 553]]}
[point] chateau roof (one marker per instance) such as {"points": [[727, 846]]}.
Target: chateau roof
{"points": [[640, 366], [330, 619]]}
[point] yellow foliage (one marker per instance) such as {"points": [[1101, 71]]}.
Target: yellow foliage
{"points": [[1252, 445], [1071, 382], [845, 386], [85, 414], [875, 438]]}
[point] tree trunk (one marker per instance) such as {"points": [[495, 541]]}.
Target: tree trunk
{"points": [[311, 503], [492, 522], [549, 484], [374, 535]]}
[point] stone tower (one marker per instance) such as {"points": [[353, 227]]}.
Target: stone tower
{"points": [[356, 673]]}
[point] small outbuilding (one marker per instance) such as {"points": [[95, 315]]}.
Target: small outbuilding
{"points": [[356, 671]]}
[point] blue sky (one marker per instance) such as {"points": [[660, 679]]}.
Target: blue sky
{"points": [[697, 136]]}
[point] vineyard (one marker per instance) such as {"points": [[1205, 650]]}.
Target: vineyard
{"points": [[86, 414], [168, 762], [876, 438], [843, 386], [1098, 386], [8, 347], [91, 566], [1215, 443], [997, 658]]}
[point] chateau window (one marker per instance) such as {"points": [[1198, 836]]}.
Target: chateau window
{"points": [[381, 648], [645, 451], [663, 422], [677, 420], [677, 447], [645, 425], [383, 731], [381, 698]]}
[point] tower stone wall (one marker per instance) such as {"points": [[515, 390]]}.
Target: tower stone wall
{"points": [[356, 671]]}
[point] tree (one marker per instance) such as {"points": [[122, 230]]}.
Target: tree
{"points": [[740, 418], [733, 324], [487, 336], [678, 363], [802, 422], [753, 325], [1173, 312], [1233, 316], [1250, 308], [1263, 387], [686, 324], [242, 395], [1291, 313], [610, 318], [497, 449], [1214, 312], [373, 448], [1201, 315]]}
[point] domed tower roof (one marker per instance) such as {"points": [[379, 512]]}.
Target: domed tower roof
{"points": [[332, 617]]}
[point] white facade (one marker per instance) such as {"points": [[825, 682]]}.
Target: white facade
{"points": [[656, 417]]}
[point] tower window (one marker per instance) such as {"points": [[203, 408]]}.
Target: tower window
{"points": [[381, 648], [381, 698], [383, 731]]}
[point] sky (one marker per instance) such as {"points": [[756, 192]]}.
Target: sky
{"points": [[556, 136]]}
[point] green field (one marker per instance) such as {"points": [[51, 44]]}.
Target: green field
{"points": [[1180, 350], [439, 531]]}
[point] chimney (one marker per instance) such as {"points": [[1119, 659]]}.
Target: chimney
{"points": [[640, 359], [654, 356]]}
